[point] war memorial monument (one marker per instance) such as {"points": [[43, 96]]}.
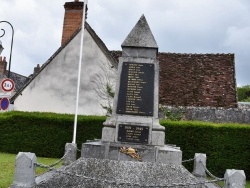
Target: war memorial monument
{"points": [[132, 151]]}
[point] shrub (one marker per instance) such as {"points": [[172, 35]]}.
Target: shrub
{"points": [[243, 93], [45, 133], [227, 146]]}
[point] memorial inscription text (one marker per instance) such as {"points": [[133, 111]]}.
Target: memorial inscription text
{"points": [[136, 94], [133, 133]]}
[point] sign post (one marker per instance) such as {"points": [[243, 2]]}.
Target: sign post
{"points": [[7, 85], [4, 103]]}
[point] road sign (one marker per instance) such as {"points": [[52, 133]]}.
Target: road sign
{"points": [[7, 85], [5, 94], [4, 104]]}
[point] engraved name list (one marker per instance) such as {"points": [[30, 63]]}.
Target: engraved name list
{"points": [[136, 94]]}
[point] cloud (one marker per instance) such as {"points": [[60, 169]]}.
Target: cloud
{"points": [[238, 39], [182, 26], [38, 32]]}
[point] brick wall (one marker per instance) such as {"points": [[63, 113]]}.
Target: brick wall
{"points": [[72, 19], [197, 80]]}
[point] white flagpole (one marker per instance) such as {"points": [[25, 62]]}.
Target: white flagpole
{"points": [[79, 70]]}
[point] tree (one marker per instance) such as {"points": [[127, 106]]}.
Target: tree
{"points": [[243, 93], [104, 85]]}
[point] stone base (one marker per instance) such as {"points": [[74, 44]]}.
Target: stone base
{"points": [[158, 138], [102, 165], [110, 150], [108, 134], [104, 173], [71, 150]]}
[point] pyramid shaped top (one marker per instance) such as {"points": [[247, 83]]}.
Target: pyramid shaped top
{"points": [[140, 36]]}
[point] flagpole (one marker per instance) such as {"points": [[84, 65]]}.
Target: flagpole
{"points": [[79, 70]]}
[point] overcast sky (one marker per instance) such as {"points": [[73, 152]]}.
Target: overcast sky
{"points": [[179, 26]]}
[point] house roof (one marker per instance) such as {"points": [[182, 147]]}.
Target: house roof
{"points": [[96, 38], [18, 79]]}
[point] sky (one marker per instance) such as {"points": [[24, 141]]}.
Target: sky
{"points": [[179, 26]]}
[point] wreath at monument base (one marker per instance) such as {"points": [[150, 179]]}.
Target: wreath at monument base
{"points": [[131, 152]]}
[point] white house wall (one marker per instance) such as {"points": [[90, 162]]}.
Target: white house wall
{"points": [[54, 88]]}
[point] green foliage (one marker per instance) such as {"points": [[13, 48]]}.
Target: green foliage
{"points": [[110, 95], [243, 93], [7, 167], [108, 109], [110, 91], [45, 133], [174, 115], [227, 146]]}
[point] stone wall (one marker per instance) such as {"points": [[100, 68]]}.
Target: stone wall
{"points": [[197, 80], [211, 114]]}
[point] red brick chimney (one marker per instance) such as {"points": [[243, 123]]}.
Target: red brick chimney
{"points": [[72, 19], [3, 65]]}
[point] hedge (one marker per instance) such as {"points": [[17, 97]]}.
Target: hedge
{"points": [[45, 133], [227, 146]]}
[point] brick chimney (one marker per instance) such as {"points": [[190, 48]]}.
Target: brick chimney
{"points": [[36, 69], [72, 19], [3, 65]]}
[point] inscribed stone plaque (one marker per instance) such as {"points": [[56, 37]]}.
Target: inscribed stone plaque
{"points": [[133, 133], [136, 94]]}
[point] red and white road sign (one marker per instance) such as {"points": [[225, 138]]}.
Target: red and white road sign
{"points": [[7, 85]]}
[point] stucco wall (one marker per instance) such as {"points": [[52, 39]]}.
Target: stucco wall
{"points": [[54, 88]]}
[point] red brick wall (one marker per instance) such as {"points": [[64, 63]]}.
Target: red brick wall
{"points": [[72, 19], [197, 80]]}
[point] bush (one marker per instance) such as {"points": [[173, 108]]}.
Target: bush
{"points": [[243, 93], [227, 146], [45, 133]]}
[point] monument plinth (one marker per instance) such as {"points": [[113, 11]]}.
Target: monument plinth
{"points": [[134, 121], [136, 101]]}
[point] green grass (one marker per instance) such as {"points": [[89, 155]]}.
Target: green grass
{"points": [[221, 184], [7, 167]]}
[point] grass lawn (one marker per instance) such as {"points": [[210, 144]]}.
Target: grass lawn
{"points": [[7, 167]]}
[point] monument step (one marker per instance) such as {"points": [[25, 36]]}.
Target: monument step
{"points": [[92, 172], [168, 154]]}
